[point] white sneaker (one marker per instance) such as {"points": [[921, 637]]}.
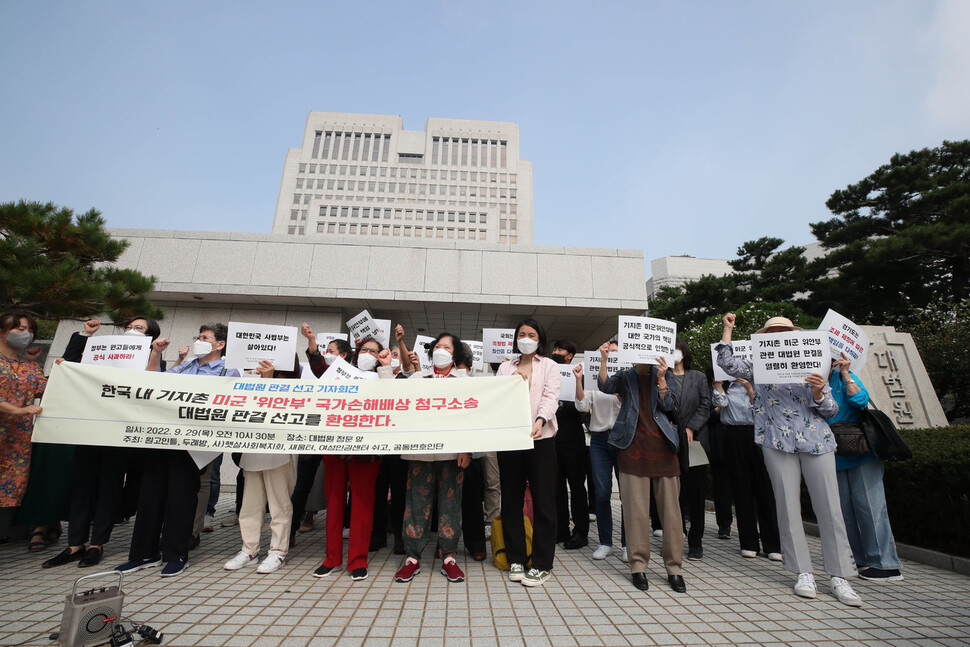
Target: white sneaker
{"points": [[230, 521], [602, 552], [623, 556], [843, 591], [750, 554], [241, 560], [776, 557], [208, 523], [516, 572], [805, 586], [488, 531], [659, 532], [592, 516], [271, 563], [535, 577]]}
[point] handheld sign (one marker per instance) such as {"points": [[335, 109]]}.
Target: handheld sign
{"points": [[478, 350], [568, 392], [644, 340], [497, 344], [363, 326], [591, 368], [118, 351], [341, 369], [419, 347], [249, 344], [742, 350], [384, 332], [324, 339], [845, 337], [789, 357]]}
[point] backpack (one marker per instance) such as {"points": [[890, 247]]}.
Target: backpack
{"points": [[499, 558]]}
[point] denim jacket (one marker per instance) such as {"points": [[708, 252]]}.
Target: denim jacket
{"points": [[626, 384]]}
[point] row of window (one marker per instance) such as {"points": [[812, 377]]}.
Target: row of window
{"points": [[414, 173], [415, 231], [373, 147], [445, 151], [377, 213], [412, 188], [454, 151]]}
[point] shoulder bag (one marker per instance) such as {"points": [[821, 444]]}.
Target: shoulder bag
{"points": [[883, 436]]}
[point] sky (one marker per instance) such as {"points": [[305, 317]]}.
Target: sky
{"points": [[682, 127]]}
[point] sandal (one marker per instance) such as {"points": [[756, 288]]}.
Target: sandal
{"points": [[36, 541]]}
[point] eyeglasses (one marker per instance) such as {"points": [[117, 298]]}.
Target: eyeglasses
{"points": [[139, 327], [372, 351], [203, 337]]}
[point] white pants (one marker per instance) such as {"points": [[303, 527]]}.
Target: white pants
{"points": [[273, 487]]}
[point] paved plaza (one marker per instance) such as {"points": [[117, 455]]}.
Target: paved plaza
{"points": [[729, 600]]}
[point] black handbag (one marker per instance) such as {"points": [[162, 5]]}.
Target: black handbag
{"points": [[884, 438], [850, 439]]}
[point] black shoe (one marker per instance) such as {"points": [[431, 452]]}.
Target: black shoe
{"points": [[724, 532], [91, 558], [359, 574], [562, 537], [63, 557], [640, 581], [576, 541], [399, 545], [695, 553], [377, 542], [677, 583], [194, 542]]}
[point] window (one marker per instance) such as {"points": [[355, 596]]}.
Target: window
{"points": [[387, 143], [454, 152], [444, 151], [299, 182], [410, 158], [326, 145], [342, 228], [321, 228], [355, 212], [340, 185], [434, 150], [474, 157], [494, 155], [464, 152], [293, 214], [312, 168], [364, 154], [393, 171], [316, 143], [302, 168], [331, 184], [356, 152], [505, 149], [346, 150], [343, 212], [296, 198]]}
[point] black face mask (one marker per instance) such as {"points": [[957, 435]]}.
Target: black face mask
{"points": [[559, 359]]}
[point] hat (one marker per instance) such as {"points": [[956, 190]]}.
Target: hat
{"points": [[775, 322]]}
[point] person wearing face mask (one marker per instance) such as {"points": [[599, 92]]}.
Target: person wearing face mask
{"points": [[360, 474], [99, 472], [537, 466], [572, 455], [434, 477], [21, 381], [170, 488]]}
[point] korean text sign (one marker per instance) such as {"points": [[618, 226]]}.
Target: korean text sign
{"points": [[643, 340], [249, 344], [122, 408], [591, 368], [845, 337], [789, 357], [741, 349], [118, 351], [497, 344]]}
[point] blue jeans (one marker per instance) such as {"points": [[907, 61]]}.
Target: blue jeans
{"points": [[866, 517], [602, 457]]}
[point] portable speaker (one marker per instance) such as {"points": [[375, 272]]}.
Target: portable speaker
{"points": [[91, 616]]}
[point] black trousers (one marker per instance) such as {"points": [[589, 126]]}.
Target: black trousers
{"points": [[393, 478], [473, 507], [721, 477], [693, 489], [133, 459], [754, 499], [99, 474], [166, 507], [536, 466], [572, 458], [306, 472]]}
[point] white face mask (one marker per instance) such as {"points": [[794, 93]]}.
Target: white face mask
{"points": [[20, 339], [441, 358], [395, 363], [527, 346], [133, 333], [678, 356], [366, 361], [330, 358], [201, 348]]}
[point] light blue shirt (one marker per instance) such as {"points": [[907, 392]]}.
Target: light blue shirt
{"points": [[735, 406], [211, 368]]}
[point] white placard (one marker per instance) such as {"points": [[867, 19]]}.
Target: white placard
{"points": [[363, 326], [591, 368], [790, 357], [324, 339], [249, 344], [341, 369], [384, 334], [643, 340], [497, 344], [568, 391], [742, 350], [845, 337], [118, 351], [478, 350], [419, 342]]}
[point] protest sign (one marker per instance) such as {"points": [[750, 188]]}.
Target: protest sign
{"points": [[591, 367], [363, 326], [845, 337], [568, 392], [422, 351], [248, 344], [118, 351], [742, 350], [497, 344], [477, 351], [324, 339], [121, 408], [643, 340], [341, 369], [384, 332], [789, 357]]}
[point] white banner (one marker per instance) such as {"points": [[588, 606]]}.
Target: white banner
{"points": [[497, 344], [118, 351], [742, 350], [591, 368], [341, 369], [122, 408], [643, 340], [478, 350], [419, 342], [568, 392], [249, 344], [845, 337], [789, 357]]}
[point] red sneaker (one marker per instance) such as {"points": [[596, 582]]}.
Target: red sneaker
{"points": [[452, 572], [407, 572]]}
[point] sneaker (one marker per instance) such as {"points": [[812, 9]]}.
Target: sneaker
{"points": [[881, 575], [843, 591], [231, 521], [776, 557], [724, 532], [138, 564], [241, 560], [659, 532], [805, 586], [516, 572], [172, 569], [271, 564], [209, 524], [358, 574], [602, 551], [450, 570], [695, 553], [407, 572], [535, 577], [749, 554], [324, 570], [624, 557], [592, 516], [346, 533]]}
